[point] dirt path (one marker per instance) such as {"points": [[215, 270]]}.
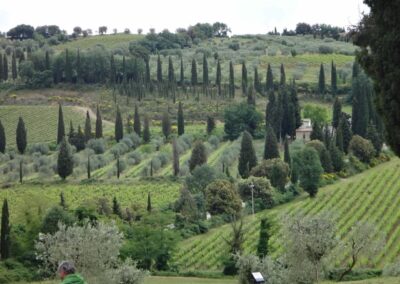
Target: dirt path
{"points": [[92, 114]]}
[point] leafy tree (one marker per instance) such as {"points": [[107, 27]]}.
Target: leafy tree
{"points": [[2, 139], [193, 79], [14, 66], [159, 70], [65, 161], [231, 80], [376, 34], [77, 139], [240, 117], [372, 135], [119, 128], [333, 79], [21, 32], [337, 112], [200, 177], [181, 122], [175, 155], [244, 78], [247, 156], [263, 240], [198, 157], [88, 128], [171, 72], [283, 76], [270, 79], [99, 124], [55, 215], [205, 71], [166, 125], [271, 150], [146, 131], [21, 136], [136, 122], [61, 127], [5, 238], [222, 198], [257, 189], [309, 167], [326, 161], [275, 170], [210, 124], [321, 80], [362, 148]]}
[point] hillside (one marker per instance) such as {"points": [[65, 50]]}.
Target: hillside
{"points": [[372, 196]]}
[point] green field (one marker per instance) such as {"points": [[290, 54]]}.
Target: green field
{"points": [[372, 196]]}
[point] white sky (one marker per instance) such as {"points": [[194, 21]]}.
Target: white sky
{"points": [[243, 16]]}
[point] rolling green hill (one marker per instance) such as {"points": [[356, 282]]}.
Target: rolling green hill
{"points": [[372, 196]]}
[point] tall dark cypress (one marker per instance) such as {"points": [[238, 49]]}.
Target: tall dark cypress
{"points": [[88, 127], [256, 83], [1, 68], [65, 162], [205, 71], [336, 113], [271, 111], [283, 76], [21, 174], [21, 136], [361, 91], [149, 203], [124, 69], [88, 167], [210, 124], [118, 168], [198, 157], [175, 155], [99, 124], [218, 78], [119, 128], [113, 70], [244, 78], [146, 130], [137, 127], [5, 237], [270, 79], [14, 66], [231, 80], [286, 156], [193, 79], [166, 125], [61, 126], [317, 133], [288, 127], [5, 67], [333, 79], [321, 80], [47, 60], [171, 72], [147, 75], [68, 67], [2, 139], [159, 70], [181, 122], [182, 74], [262, 247], [271, 150], [247, 156], [296, 106], [345, 130]]}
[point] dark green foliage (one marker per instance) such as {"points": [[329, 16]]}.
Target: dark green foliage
{"points": [[5, 238], [14, 66], [147, 72], [77, 139], [295, 106], [198, 157], [270, 79], [175, 156], [283, 76], [78, 67], [166, 125], [205, 71], [337, 112], [2, 139], [146, 130], [119, 128], [222, 198], [218, 78], [171, 72], [182, 74], [309, 167], [118, 168], [159, 70], [88, 128], [344, 134], [193, 79], [1, 68], [47, 60], [275, 170], [373, 135], [20, 171], [181, 122], [124, 68], [262, 247], [333, 79], [362, 148], [271, 150], [116, 208], [61, 126], [286, 154], [63, 203], [55, 215], [113, 70], [251, 98], [210, 124], [326, 161], [231, 80], [247, 156], [361, 93], [271, 113], [88, 168], [99, 124], [378, 38], [68, 67], [288, 115], [257, 83], [137, 127], [148, 202], [235, 247], [321, 80], [336, 157], [355, 69], [244, 78], [240, 117], [5, 68], [65, 162], [200, 177], [317, 133], [21, 136]]}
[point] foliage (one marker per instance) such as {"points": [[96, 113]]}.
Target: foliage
{"points": [[5, 239], [222, 198], [119, 128], [53, 217], [198, 157], [262, 247], [275, 170], [21, 136], [238, 118], [262, 192], [200, 178], [65, 163], [247, 156], [271, 150], [362, 148], [315, 113]]}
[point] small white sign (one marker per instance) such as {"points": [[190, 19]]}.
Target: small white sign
{"points": [[257, 276]]}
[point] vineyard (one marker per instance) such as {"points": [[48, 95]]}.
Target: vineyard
{"points": [[372, 196]]}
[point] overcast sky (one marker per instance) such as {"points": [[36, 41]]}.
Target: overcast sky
{"points": [[243, 16]]}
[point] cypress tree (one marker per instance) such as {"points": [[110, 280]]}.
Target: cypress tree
{"points": [[244, 78], [345, 131], [5, 67], [283, 76], [288, 121], [193, 79], [181, 122], [339, 139], [317, 133], [218, 78], [321, 80], [210, 124], [373, 136], [337, 112], [88, 127], [205, 71], [327, 136], [61, 127], [326, 161], [5, 236], [89, 168], [271, 150], [2, 139], [147, 75], [116, 207], [182, 77], [119, 128], [270, 79], [166, 125], [175, 155], [79, 140], [99, 124], [78, 67], [68, 67], [198, 157], [251, 99], [262, 247], [336, 157], [310, 170], [47, 60], [257, 85], [361, 91], [14, 66], [159, 70], [123, 69], [286, 155], [21, 136], [355, 70], [247, 156], [231, 80], [1, 68], [296, 106], [118, 168], [65, 162], [333, 79], [149, 203], [20, 171], [146, 130], [171, 72], [270, 111], [151, 168], [113, 69], [136, 122], [63, 204]]}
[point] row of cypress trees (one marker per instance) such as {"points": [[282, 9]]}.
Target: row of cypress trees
{"points": [[21, 137], [4, 68]]}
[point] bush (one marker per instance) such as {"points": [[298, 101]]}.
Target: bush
{"points": [[240, 117], [262, 192], [222, 198], [275, 170], [234, 46], [97, 145], [214, 141], [361, 148], [41, 148], [325, 49]]}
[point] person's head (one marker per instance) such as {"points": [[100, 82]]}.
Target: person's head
{"points": [[65, 268]]}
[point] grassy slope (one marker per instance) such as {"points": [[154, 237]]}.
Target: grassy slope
{"points": [[372, 196]]}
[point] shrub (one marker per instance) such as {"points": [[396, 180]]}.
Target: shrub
{"points": [[234, 46], [222, 198], [214, 141], [200, 178], [97, 145], [325, 49], [262, 192], [361, 148], [275, 170], [41, 148]]}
